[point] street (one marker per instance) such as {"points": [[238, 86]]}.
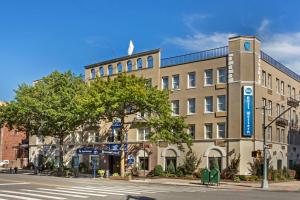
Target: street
{"points": [[33, 187]]}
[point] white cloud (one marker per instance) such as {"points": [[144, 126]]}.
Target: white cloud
{"points": [[284, 47], [263, 26]]}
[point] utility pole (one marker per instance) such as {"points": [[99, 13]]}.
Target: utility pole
{"points": [[265, 183]]}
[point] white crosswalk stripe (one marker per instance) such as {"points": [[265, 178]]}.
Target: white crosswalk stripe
{"points": [[72, 192], [124, 189], [34, 195], [17, 197], [108, 189], [55, 193], [85, 189]]}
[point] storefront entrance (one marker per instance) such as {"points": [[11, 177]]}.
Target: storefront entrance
{"points": [[114, 164]]}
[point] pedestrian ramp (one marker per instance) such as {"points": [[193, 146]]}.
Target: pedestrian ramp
{"points": [[90, 192]]}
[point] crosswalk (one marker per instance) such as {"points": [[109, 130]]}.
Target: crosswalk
{"points": [[90, 192]]}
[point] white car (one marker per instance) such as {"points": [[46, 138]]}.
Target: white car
{"points": [[3, 162]]}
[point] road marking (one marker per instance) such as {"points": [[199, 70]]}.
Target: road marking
{"points": [[105, 189], [18, 197], [17, 183], [85, 189], [123, 189], [72, 192], [55, 193], [34, 195]]}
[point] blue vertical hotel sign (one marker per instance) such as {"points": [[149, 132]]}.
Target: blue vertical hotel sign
{"points": [[248, 111]]}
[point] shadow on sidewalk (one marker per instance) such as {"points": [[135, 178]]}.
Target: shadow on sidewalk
{"points": [[129, 197]]}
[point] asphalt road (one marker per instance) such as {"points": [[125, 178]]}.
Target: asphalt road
{"points": [[34, 187]]}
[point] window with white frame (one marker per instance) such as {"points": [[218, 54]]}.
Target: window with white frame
{"points": [[222, 75], [269, 133], [269, 108], [141, 115], [278, 134], [221, 130], [175, 82], [277, 86], [192, 130], [293, 93], [289, 91], [264, 80], [221, 103], [191, 79], [93, 74], [264, 104], [208, 104], [175, 107], [282, 136], [282, 88], [277, 109], [282, 110], [208, 77], [165, 82], [191, 106], [269, 83], [143, 134], [208, 131]]}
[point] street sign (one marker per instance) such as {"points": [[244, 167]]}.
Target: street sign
{"points": [[130, 159], [248, 111], [88, 150]]}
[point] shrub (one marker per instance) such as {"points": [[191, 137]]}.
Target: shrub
{"points": [[232, 170], [297, 169], [115, 174], [158, 170], [256, 168], [171, 168], [82, 167], [179, 173], [101, 172], [190, 163], [243, 178]]}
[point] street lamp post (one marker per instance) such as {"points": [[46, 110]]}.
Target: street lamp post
{"points": [[265, 183]]}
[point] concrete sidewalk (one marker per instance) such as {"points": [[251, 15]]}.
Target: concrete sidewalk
{"points": [[282, 186]]}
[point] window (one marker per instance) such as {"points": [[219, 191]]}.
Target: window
{"points": [[144, 163], [289, 91], [279, 164], [293, 93], [150, 62], [282, 135], [208, 104], [120, 67], [101, 70], [110, 70], [269, 133], [165, 82], [192, 106], [175, 107], [222, 75], [282, 110], [269, 81], [221, 103], [208, 77], [192, 130], [277, 86], [93, 74], [94, 137], [282, 88], [264, 104], [191, 79], [269, 108], [168, 161], [175, 81], [143, 134], [278, 134], [221, 130], [129, 66], [277, 109], [264, 79], [139, 63], [208, 131]]}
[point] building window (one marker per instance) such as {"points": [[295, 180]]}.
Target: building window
{"points": [[175, 107], [269, 81], [269, 108], [221, 130], [277, 109], [282, 136], [208, 77], [192, 106], [264, 80], [93, 74], [277, 86], [269, 133], [208, 131], [168, 161], [208, 104], [101, 70], [191, 80], [279, 164], [222, 75], [110, 70], [175, 82], [289, 91], [143, 134], [293, 93], [192, 130], [282, 110], [278, 134], [264, 104], [144, 163], [139, 63], [129, 66], [165, 83], [221, 103], [119, 66], [282, 88], [150, 62]]}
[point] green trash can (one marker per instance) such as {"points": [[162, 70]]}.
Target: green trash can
{"points": [[205, 177], [214, 176]]}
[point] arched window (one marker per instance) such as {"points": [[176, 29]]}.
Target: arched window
{"points": [[129, 66], [93, 74], [101, 70], [150, 62], [119, 67], [110, 70], [139, 63]]}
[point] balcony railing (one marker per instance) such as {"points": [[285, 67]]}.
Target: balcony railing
{"points": [[282, 122], [292, 102], [202, 55], [279, 66]]}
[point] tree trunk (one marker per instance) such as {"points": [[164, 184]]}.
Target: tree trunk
{"points": [[61, 157], [122, 160]]}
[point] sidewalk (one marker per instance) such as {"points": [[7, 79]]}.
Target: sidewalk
{"points": [[282, 186]]}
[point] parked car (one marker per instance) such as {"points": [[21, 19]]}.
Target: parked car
{"points": [[4, 162]]}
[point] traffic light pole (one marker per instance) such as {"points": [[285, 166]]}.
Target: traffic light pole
{"points": [[265, 183]]}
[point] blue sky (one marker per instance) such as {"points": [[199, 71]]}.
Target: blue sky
{"points": [[38, 37]]}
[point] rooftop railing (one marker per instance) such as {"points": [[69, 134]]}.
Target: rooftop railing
{"points": [[279, 66], [198, 56]]}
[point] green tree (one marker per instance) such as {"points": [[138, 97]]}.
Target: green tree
{"points": [[54, 106], [190, 163], [125, 96]]}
